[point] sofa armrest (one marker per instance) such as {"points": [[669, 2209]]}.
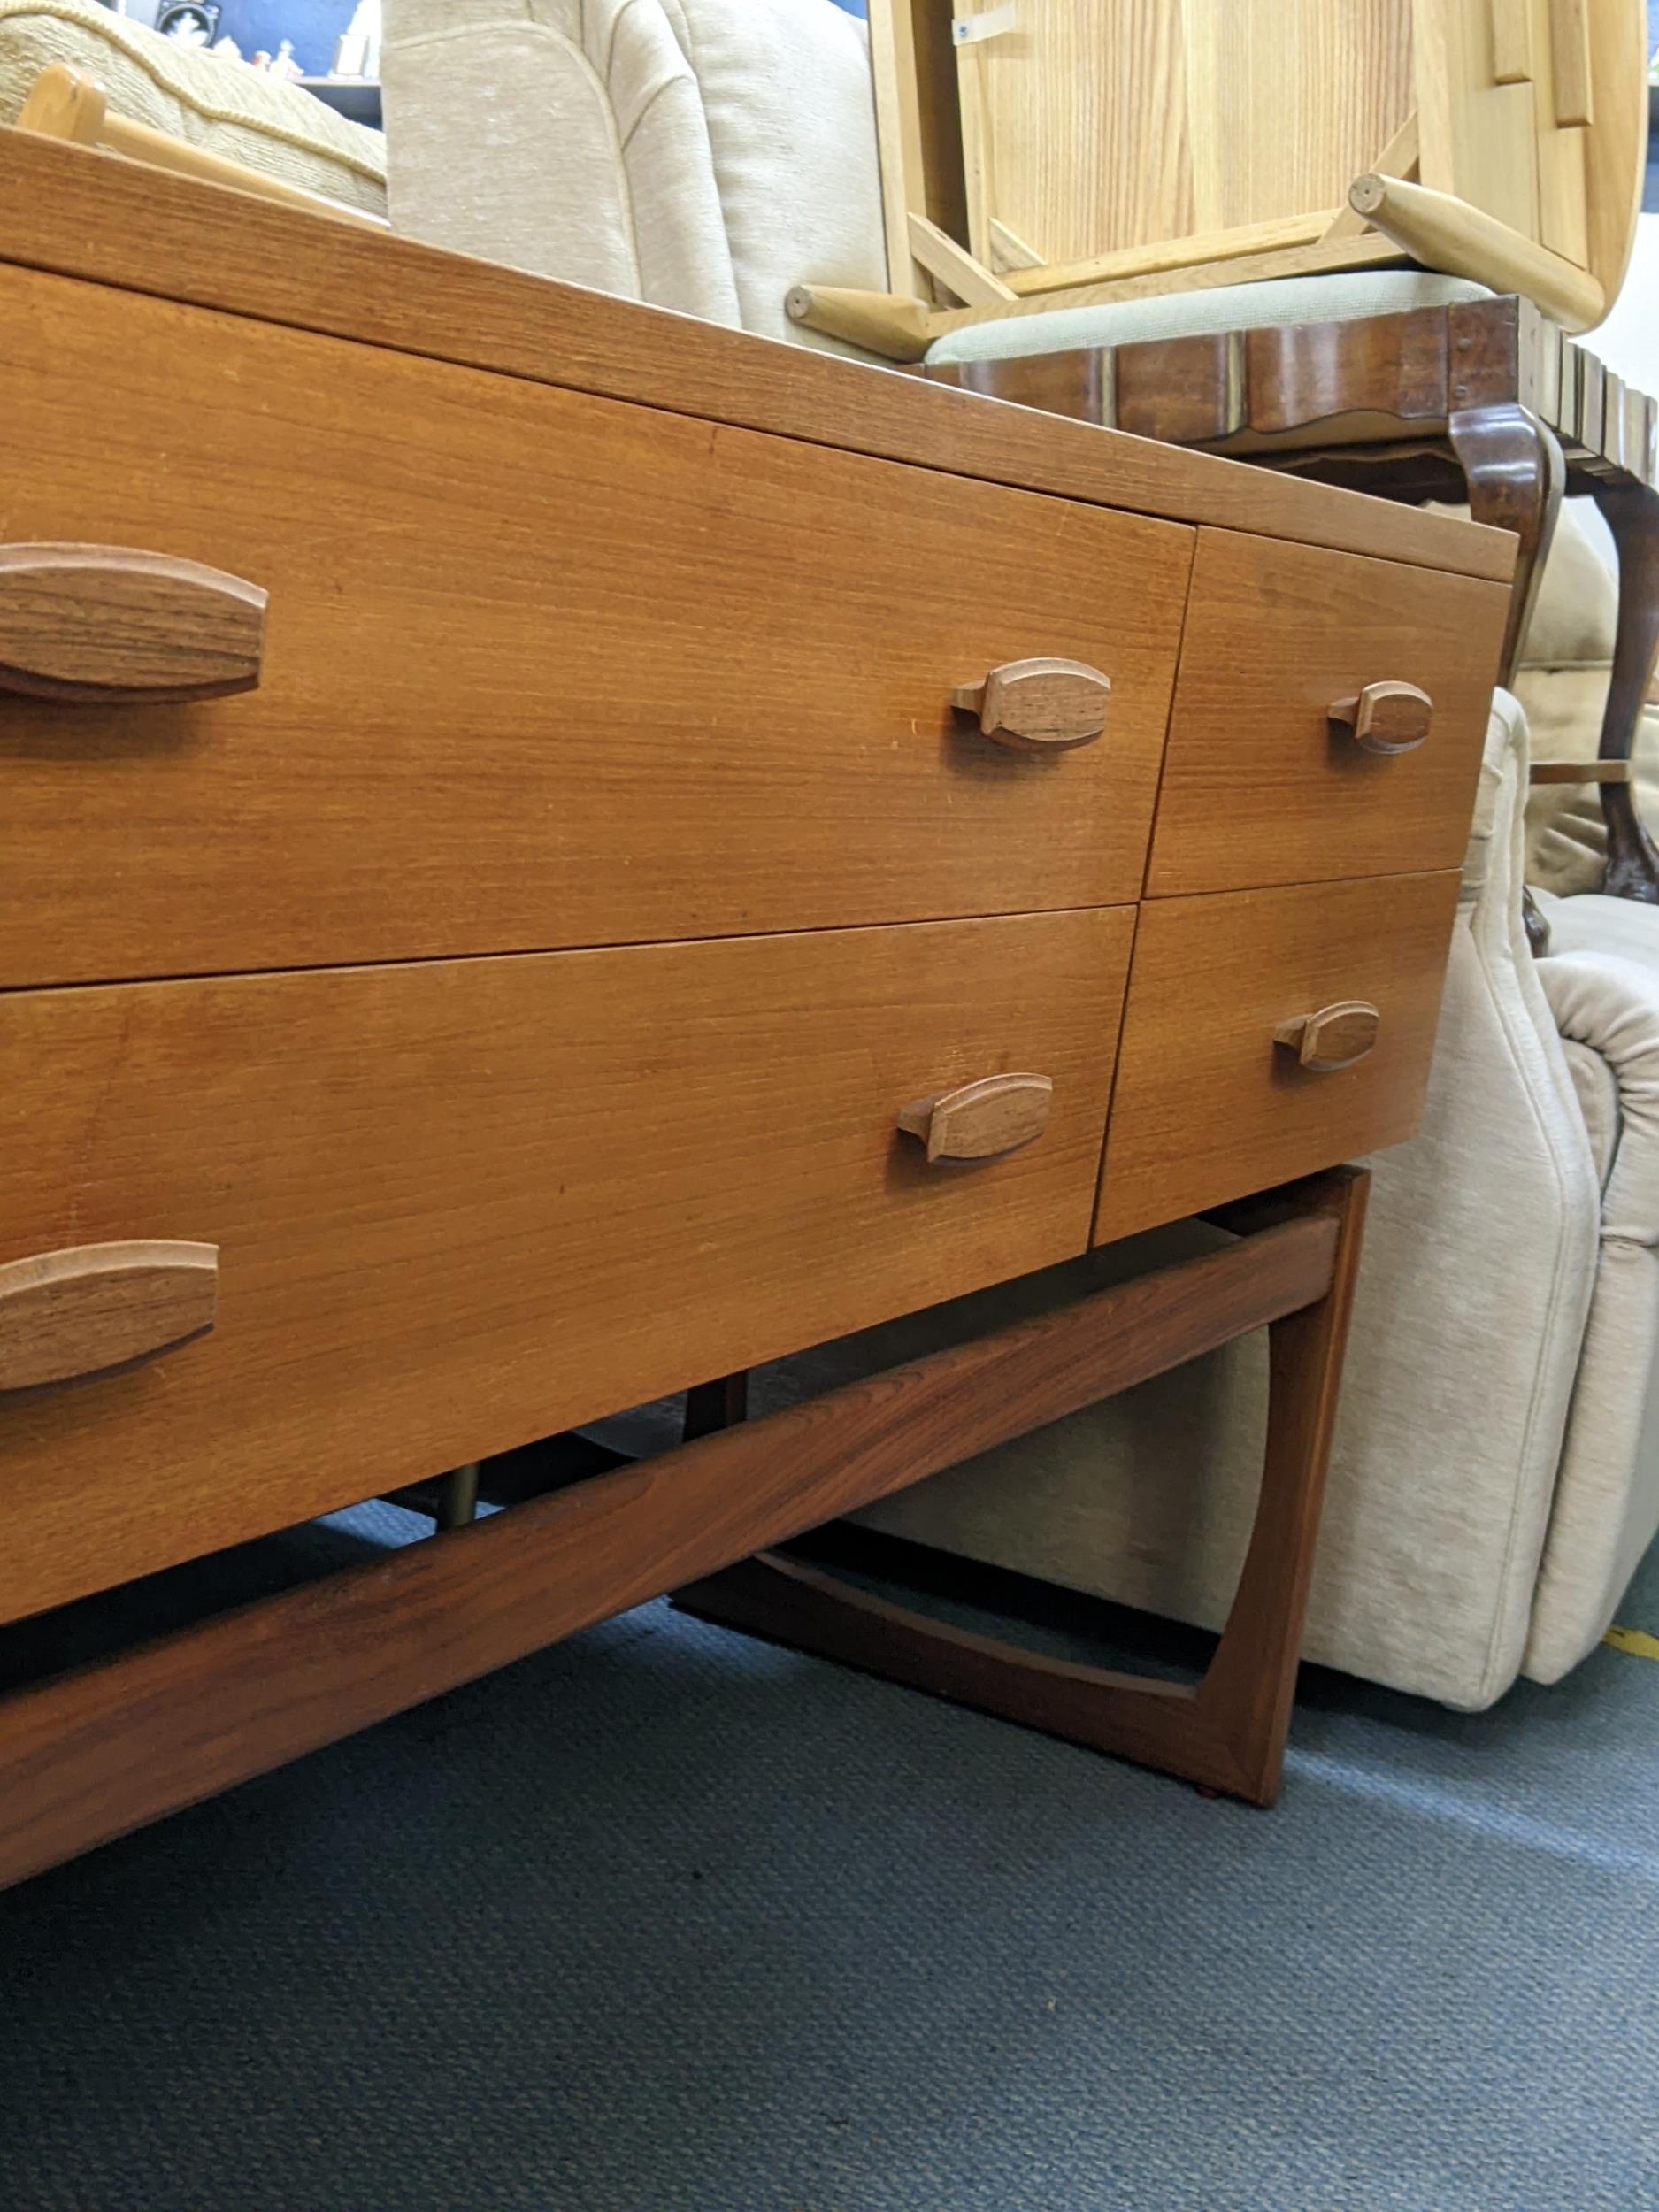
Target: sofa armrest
{"points": [[1607, 1002]]}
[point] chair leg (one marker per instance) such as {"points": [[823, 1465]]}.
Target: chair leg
{"points": [[1226, 1734]]}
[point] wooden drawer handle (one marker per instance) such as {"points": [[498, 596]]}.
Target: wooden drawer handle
{"points": [[97, 1306], [1386, 718], [104, 625], [997, 1114], [1335, 1037], [1040, 706]]}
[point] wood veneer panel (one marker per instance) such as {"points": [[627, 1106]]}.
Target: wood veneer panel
{"points": [[1208, 1106], [460, 1205], [1260, 784], [88, 214], [541, 669]]}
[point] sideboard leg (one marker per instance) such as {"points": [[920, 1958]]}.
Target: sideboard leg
{"points": [[1229, 1732], [1632, 513], [712, 1406], [1515, 471]]}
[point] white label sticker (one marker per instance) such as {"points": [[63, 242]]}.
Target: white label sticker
{"points": [[992, 24]]}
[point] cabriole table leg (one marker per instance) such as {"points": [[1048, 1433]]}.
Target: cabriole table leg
{"points": [[1631, 512]]}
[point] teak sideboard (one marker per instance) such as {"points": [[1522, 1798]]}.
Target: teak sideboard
{"points": [[552, 853]]}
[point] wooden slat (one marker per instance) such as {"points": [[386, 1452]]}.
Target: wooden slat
{"points": [[96, 1753], [1570, 48], [1511, 41], [954, 266], [1173, 253], [912, 134], [1615, 148], [1580, 771], [89, 215], [1318, 257]]}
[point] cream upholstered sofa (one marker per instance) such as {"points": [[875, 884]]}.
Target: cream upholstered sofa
{"points": [[1496, 1471], [239, 114]]}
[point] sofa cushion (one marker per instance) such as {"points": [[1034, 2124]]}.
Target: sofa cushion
{"points": [[787, 92], [278, 128], [562, 136], [1603, 985], [703, 154], [1320, 299]]}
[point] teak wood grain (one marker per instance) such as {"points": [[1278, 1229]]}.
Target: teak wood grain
{"points": [[70, 1314], [541, 669], [88, 215], [461, 1205], [95, 1753], [1260, 787], [1209, 1105], [100, 624]]}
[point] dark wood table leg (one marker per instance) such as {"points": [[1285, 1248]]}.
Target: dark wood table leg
{"points": [[1515, 471], [1632, 512], [713, 1406], [1228, 1735]]}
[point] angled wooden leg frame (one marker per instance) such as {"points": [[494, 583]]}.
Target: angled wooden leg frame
{"points": [[1228, 1732], [95, 1752]]}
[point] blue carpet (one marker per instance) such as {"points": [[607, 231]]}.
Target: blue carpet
{"points": [[668, 1921]]}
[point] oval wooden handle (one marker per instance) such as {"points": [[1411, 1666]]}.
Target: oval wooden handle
{"points": [[1386, 718], [1335, 1037], [97, 1306], [997, 1114], [1039, 706], [103, 624]]}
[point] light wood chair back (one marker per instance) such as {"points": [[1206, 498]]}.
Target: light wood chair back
{"points": [[1043, 152], [65, 103]]}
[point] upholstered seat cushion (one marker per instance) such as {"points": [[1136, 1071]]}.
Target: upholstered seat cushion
{"points": [[1322, 299], [278, 128]]}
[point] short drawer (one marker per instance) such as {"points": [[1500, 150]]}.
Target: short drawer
{"points": [[1329, 717], [459, 1205], [1270, 1034], [539, 670]]}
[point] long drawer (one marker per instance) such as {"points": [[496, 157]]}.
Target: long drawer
{"points": [[538, 669], [1329, 717], [1269, 1033], [459, 1205]]}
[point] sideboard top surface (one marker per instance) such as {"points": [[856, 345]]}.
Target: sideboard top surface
{"points": [[94, 216]]}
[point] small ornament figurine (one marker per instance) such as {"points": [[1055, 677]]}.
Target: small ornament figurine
{"points": [[285, 65]]}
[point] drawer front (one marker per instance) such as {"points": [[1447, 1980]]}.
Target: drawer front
{"points": [[1211, 1103], [1261, 785], [459, 1205], [539, 670]]}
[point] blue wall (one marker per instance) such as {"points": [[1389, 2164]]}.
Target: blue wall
{"points": [[314, 26], [858, 7]]}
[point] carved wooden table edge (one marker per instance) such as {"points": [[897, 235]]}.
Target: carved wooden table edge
{"points": [[1485, 396], [1228, 1732], [94, 1753]]}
